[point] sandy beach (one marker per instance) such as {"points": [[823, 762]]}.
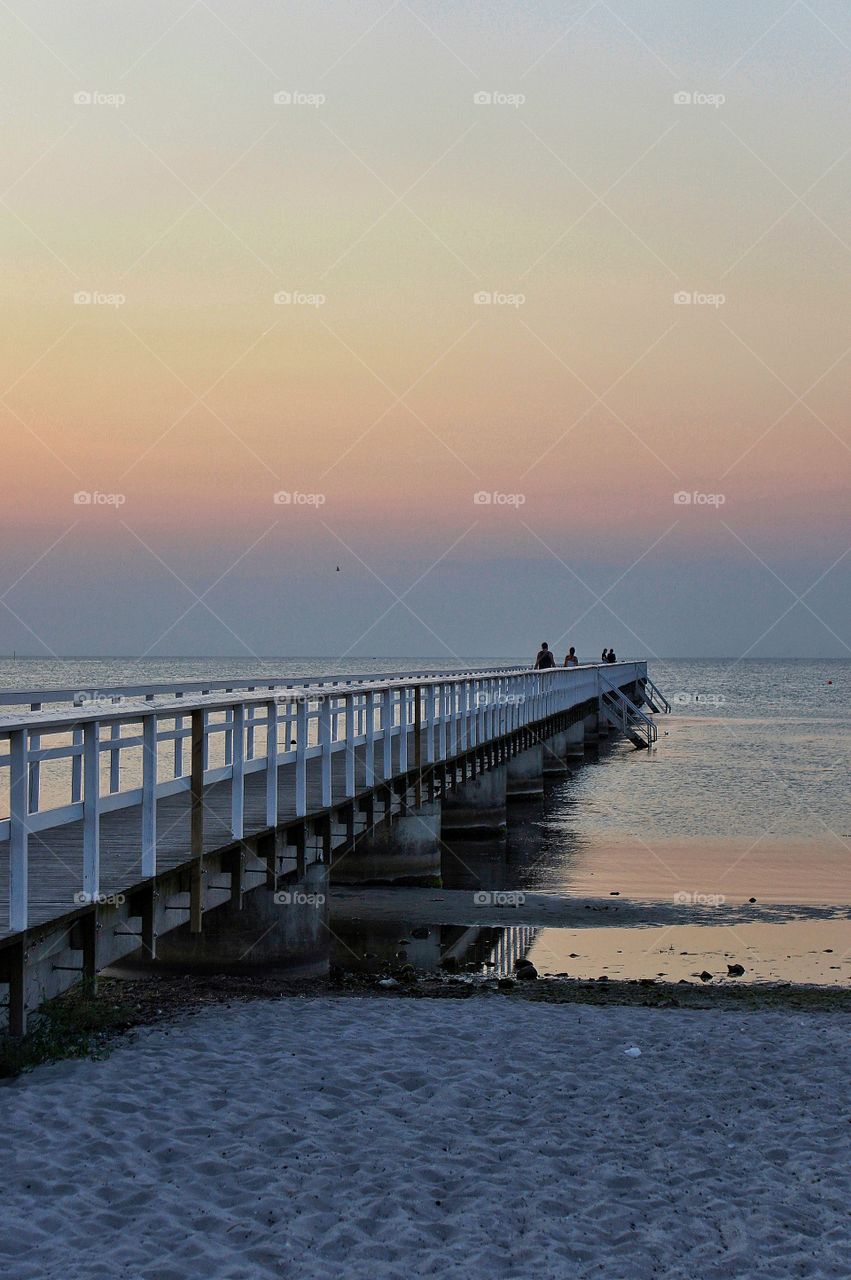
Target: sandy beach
{"points": [[328, 1137]]}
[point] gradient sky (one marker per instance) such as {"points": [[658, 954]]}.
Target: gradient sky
{"points": [[398, 199]]}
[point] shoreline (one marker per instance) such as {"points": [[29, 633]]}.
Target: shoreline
{"points": [[82, 1024]]}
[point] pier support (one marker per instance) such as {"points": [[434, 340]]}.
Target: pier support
{"points": [[400, 850], [477, 808], [591, 724], [526, 774], [555, 753], [284, 930], [575, 741]]}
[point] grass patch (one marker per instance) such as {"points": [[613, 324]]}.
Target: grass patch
{"points": [[78, 1024]]}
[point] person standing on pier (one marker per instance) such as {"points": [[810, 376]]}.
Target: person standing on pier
{"points": [[610, 656], [571, 660], [545, 658]]}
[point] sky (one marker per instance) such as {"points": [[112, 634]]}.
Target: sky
{"points": [[425, 328]]}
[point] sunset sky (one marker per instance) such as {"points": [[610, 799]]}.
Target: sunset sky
{"points": [[146, 363]]}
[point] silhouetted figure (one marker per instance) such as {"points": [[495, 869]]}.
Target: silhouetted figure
{"points": [[604, 656], [545, 659], [610, 657], [571, 660]]}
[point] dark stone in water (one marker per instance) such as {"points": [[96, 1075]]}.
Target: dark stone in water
{"points": [[526, 973], [751, 899], [506, 984], [450, 964], [705, 976], [603, 978], [735, 970]]}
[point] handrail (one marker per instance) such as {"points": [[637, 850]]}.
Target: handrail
{"points": [[657, 694], [628, 714]]}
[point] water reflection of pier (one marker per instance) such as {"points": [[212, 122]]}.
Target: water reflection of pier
{"points": [[372, 945]]}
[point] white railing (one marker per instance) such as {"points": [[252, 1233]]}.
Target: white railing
{"points": [[112, 754]]}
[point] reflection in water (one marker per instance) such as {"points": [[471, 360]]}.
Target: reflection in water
{"points": [[371, 946]]}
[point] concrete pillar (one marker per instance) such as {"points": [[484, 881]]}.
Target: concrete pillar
{"points": [[526, 774], [478, 807], [575, 741], [284, 930], [555, 751], [592, 727], [404, 849]]}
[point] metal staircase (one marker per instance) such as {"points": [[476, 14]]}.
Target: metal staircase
{"points": [[654, 697], [622, 714]]}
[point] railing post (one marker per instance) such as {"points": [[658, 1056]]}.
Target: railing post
{"points": [[463, 692], [387, 730], [370, 738], [237, 783], [91, 810], [271, 763], [114, 758], [35, 767], [178, 746], [418, 747], [403, 729], [349, 702], [18, 830], [453, 717], [77, 767], [301, 729], [196, 825], [430, 692], [149, 795], [325, 744], [228, 735], [442, 702]]}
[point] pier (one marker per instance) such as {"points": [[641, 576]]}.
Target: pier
{"points": [[203, 823]]}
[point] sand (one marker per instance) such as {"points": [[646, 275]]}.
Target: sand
{"points": [[328, 1137]]}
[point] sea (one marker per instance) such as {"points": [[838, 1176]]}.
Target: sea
{"points": [[744, 801]]}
